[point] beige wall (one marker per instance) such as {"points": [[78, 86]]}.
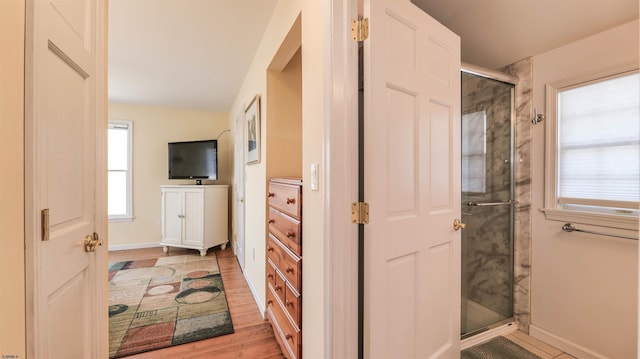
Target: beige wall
{"points": [[584, 288], [12, 299], [153, 128], [314, 14]]}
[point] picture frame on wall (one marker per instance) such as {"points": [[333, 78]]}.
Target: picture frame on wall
{"points": [[252, 131]]}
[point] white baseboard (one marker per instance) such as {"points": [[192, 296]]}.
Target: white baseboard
{"points": [[256, 297], [565, 345], [489, 334], [121, 247]]}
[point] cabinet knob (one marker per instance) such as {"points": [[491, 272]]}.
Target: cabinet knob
{"points": [[288, 336], [269, 275], [271, 221], [271, 194], [269, 302], [290, 234], [289, 303], [289, 270], [278, 287], [269, 249], [291, 200]]}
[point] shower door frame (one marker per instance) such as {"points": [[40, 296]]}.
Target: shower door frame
{"points": [[510, 80]]}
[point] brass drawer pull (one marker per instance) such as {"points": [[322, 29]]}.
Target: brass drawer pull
{"points": [[269, 249], [291, 200], [288, 336], [290, 234], [289, 303], [278, 287], [269, 275], [271, 221], [289, 270], [271, 194]]}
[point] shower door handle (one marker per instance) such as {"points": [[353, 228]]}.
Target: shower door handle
{"points": [[457, 225], [496, 203]]}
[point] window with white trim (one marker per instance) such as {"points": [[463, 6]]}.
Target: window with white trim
{"points": [[119, 148], [593, 149]]}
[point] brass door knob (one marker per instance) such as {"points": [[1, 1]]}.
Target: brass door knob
{"points": [[457, 225], [91, 241]]}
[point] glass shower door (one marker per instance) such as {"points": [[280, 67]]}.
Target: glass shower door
{"points": [[487, 205]]}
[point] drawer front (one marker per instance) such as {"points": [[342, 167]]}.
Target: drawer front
{"points": [[287, 335], [293, 303], [287, 229], [285, 198], [286, 262], [271, 273], [280, 286]]}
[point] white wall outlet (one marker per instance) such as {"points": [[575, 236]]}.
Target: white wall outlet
{"points": [[314, 176]]}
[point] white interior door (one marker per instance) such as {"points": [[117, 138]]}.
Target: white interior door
{"points": [[239, 179], [412, 184], [64, 121]]}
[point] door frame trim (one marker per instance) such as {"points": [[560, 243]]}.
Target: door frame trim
{"points": [[340, 158]]}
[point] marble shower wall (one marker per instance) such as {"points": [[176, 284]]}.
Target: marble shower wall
{"points": [[487, 253], [522, 240]]}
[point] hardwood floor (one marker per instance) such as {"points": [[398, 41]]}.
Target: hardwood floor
{"points": [[253, 336]]}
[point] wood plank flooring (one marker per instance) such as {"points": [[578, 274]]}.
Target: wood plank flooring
{"points": [[253, 336], [536, 346]]}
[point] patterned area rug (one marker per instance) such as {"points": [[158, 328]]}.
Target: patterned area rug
{"points": [[498, 348], [167, 301]]}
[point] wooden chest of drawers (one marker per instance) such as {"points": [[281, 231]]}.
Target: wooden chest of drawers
{"points": [[284, 264]]}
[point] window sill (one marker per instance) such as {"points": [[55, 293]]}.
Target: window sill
{"points": [[120, 219], [596, 219]]}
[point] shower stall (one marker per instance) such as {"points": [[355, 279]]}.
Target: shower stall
{"points": [[488, 117]]}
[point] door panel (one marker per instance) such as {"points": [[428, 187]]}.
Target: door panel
{"points": [[62, 125], [172, 222], [412, 184]]}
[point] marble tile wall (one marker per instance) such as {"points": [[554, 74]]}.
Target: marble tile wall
{"points": [[522, 240]]}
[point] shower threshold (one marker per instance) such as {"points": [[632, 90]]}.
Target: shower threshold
{"points": [[503, 328]]}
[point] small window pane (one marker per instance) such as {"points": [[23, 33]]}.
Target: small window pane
{"points": [[474, 133], [118, 149], [117, 198]]}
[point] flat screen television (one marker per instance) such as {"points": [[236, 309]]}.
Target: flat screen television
{"points": [[193, 160]]}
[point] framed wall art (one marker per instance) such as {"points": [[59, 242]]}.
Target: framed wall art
{"points": [[252, 130]]}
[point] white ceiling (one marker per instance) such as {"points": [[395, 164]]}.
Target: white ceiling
{"points": [[190, 54], [194, 53], [495, 33]]}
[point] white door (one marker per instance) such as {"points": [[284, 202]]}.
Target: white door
{"points": [[239, 188], [66, 174], [412, 184]]}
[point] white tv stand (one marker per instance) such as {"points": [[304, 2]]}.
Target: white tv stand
{"points": [[195, 217]]}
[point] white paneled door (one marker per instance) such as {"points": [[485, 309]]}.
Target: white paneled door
{"points": [[66, 137], [238, 184], [412, 184]]}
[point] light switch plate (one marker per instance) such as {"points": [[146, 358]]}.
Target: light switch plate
{"points": [[314, 176]]}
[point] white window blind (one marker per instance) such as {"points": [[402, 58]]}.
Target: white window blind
{"points": [[119, 170], [474, 152], [599, 143]]}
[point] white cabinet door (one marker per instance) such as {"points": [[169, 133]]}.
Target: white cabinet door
{"points": [[412, 184], [172, 216], [193, 220]]}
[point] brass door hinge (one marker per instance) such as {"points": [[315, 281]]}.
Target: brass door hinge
{"points": [[360, 29], [360, 212], [44, 223]]}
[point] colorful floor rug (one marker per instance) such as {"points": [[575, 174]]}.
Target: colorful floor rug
{"points": [[161, 302], [497, 348]]}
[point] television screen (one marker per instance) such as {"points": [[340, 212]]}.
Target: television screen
{"points": [[193, 160]]}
